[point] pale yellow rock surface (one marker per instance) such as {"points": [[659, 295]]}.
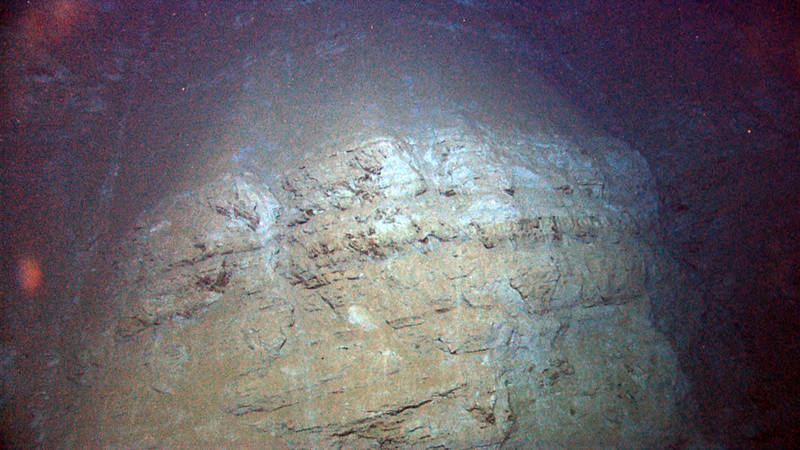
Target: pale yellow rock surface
{"points": [[466, 290]]}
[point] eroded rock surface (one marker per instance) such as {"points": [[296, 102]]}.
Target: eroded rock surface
{"points": [[457, 289]]}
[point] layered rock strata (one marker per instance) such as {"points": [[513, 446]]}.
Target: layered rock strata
{"points": [[459, 288]]}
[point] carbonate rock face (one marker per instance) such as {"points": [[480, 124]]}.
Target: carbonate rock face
{"points": [[457, 288]]}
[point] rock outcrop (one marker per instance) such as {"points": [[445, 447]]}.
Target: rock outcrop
{"points": [[460, 288]]}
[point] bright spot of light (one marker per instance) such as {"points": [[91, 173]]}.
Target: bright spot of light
{"points": [[29, 274]]}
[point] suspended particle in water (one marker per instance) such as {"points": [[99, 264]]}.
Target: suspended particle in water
{"points": [[29, 274]]}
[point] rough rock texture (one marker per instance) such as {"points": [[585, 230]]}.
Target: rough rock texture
{"points": [[459, 288]]}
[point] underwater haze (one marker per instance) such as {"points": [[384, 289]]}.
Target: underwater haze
{"points": [[388, 223]]}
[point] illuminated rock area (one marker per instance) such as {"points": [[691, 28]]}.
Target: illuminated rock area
{"points": [[199, 201], [460, 287]]}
